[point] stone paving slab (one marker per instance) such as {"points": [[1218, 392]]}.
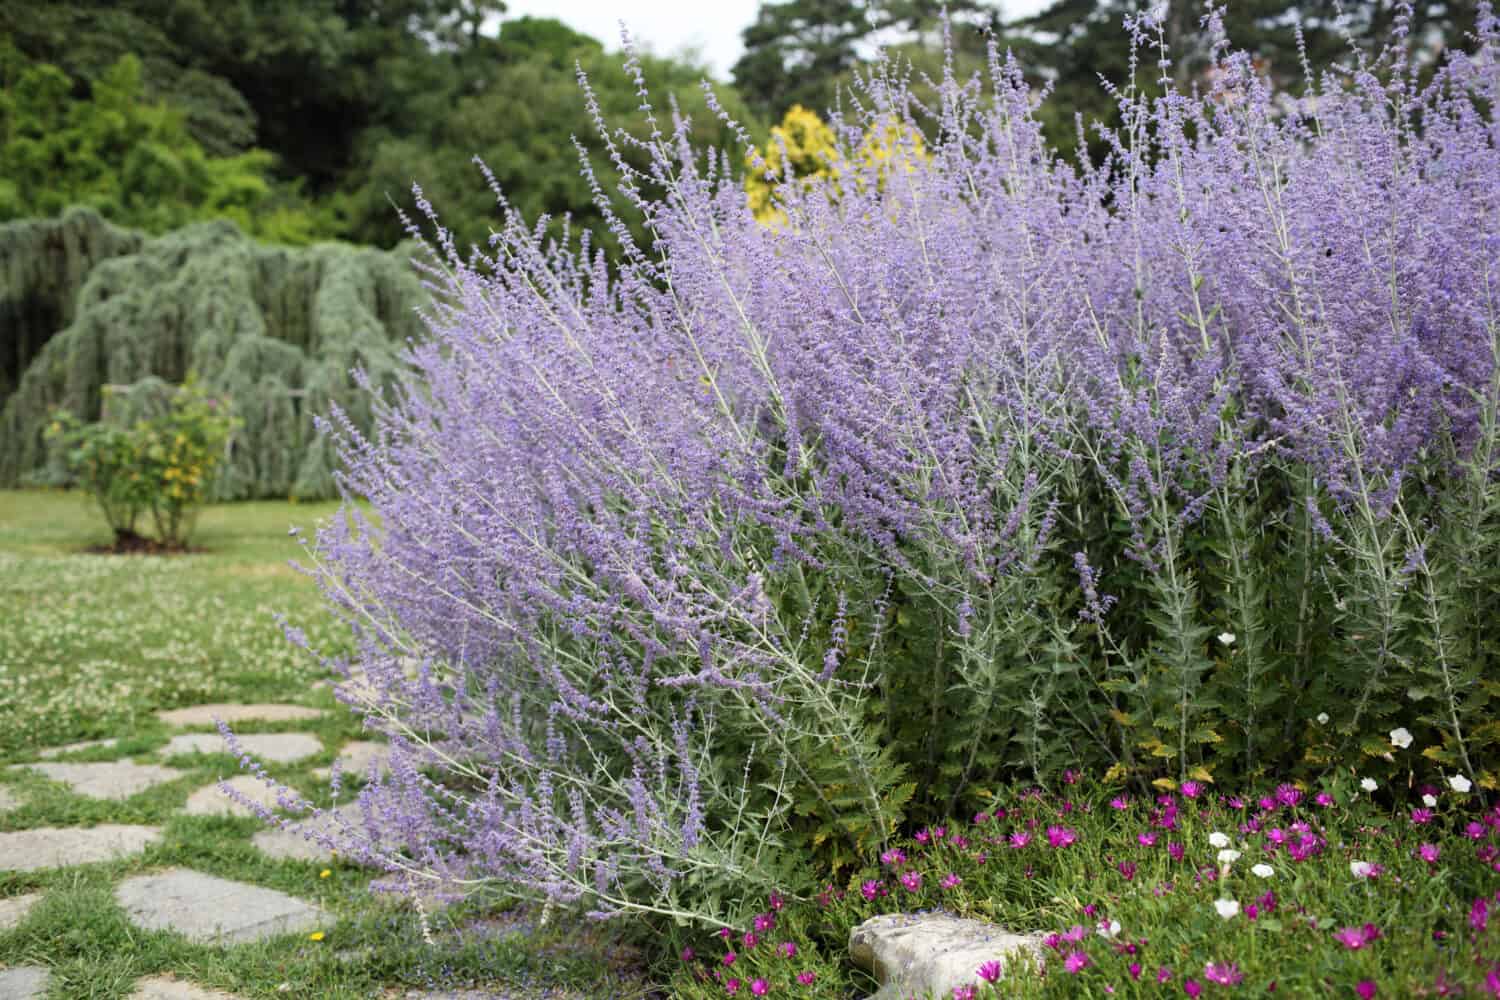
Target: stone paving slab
{"points": [[208, 715], [167, 988], [291, 845], [52, 752], [23, 982], [13, 909], [117, 779], [355, 759], [56, 847], [8, 799], [210, 800], [279, 748], [209, 910]]}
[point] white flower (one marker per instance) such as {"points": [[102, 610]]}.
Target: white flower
{"points": [[1263, 870], [1217, 839], [1322, 718], [1361, 869], [1227, 907], [1109, 928], [1400, 737], [1369, 784], [1430, 801], [1227, 638], [1459, 783], [1228, 857]]}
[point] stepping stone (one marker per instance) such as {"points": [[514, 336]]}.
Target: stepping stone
{"points": [[208, 715], [209, 910], [210, 800], [52, 752], [23, 982], [355, 759], [931, 953], [117, 779], [167, 988], [280, 748], [8, 799], [13, 910], [57, 847]]}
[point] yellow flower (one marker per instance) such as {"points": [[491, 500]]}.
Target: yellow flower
{"points": [[315, 936], [325, 873]]}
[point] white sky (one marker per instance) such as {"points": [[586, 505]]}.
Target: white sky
{"points": [[666, 27]]}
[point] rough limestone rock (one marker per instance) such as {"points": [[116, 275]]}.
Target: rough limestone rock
{"points": [[929, 954], [53, 752], [211, 800], [167, 988], [208, 715], [56, 847], [23, 982], [13, 910], [209, 910], [117, 779], [279, 748], [355, 760]]}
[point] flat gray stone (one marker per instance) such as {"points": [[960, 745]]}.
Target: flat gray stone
{"points": [[355, 760], [8, 799], [23, 982], [208, 715], [57, 847], [291, 845], [116, 779], [211, 800], [167, 988], [209, 910], [52, 752], [13, 909], [930, 954], [279, 748]]}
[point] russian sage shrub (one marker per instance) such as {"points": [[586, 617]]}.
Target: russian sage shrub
{"points": [[771, 539]]}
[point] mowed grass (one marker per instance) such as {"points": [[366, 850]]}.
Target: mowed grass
{"points": [[92, 646]]}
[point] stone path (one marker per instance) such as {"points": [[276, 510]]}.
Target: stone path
{"points": [[209, 715], [116, 780], [8, 799], [210, 800], [210, 910], [23, 982], [355, 760], [167, 988], [13, 910], [291, 845], [54, 847], [279, 748]]}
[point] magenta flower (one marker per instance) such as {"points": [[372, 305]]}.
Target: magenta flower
{"points": [[777, 902], [911, 880], [1288, 795], [688, 954], [1163, 974], [1076, 962], [1227, 974], [1192, 987], [759, 987], [981, 817], [806, 978], [1019, 839], [939, 832], [1429, 853], [729, 957], [1135, 970], [750, 939], [1061, 836], [893, 858], [989, 971], [1479, 915], [870, 890], [951, 881], [1070, 777], [1120, 802], [1176, 850], [1350, 937], [1421, 817], [1147, 839], [964, 993], [1474, 831], [788, 949], [1365, 988], [1191, 789], [922, 837], [1324, 799], [732, 987], [1127, 869], [763, 922]]}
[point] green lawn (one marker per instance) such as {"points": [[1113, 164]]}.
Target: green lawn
{"points": [[91, 646]]}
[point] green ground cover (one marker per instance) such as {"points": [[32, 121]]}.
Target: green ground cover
{"points": [[91, 646]]}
